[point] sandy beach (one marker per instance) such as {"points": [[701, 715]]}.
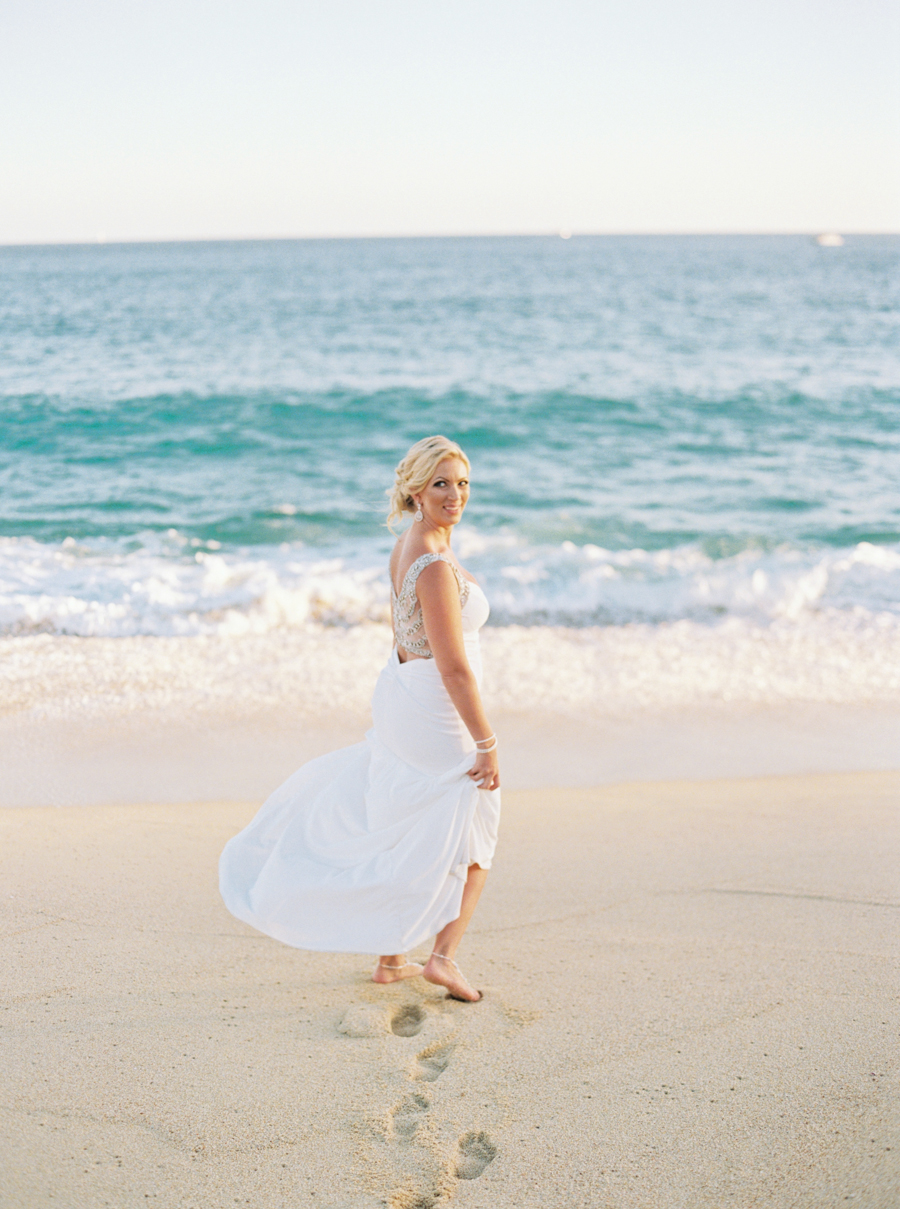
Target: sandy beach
{"points": [[690, 1002], [681, 457]]}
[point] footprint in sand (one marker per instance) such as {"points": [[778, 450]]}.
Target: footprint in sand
{"points": [[409, 1197], [407, 1020], [433, 1061], [476, 1150], [408, 1116], [364, 1020]]}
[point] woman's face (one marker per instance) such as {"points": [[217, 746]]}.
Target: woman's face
{"points": [[442, 501]]}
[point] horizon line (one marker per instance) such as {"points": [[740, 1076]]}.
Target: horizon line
{"points": [[563, 233]]}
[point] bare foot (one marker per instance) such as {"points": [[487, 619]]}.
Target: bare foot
{"points": [[393, 970], [444, 972]]}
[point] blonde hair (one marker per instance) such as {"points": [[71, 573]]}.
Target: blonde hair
{"points": [[414, 472]]}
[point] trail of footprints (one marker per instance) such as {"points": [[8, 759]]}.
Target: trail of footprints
{"points": [[431, 1180], [475, 1150]]}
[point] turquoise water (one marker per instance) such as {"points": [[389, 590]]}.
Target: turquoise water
{"points": [[660, 427]]}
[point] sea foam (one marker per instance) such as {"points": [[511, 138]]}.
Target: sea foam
{"points": [[171, 586], [176, 626]]}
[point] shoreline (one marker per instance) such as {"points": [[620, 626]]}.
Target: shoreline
{"points": [[690, 999], [592, 671], [92, 720], [207, 718]]}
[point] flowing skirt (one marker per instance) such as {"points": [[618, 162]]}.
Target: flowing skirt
{"points": [[367, 849]]}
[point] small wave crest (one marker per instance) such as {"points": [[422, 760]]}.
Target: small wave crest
{"points": [[173, 585], [170, 585]]}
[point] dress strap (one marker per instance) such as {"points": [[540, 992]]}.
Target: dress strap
{"points": [[423, 561]]}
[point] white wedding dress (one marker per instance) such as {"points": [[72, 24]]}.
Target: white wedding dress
{"points": [[367, 849]]}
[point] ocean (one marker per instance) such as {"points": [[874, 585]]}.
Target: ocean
{"points": [[685, 451]]}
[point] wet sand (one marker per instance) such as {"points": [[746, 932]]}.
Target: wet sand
{"points": [[155, 720], [691, 1002]]}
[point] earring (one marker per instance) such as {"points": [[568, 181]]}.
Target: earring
{"points": [[418, 516]]}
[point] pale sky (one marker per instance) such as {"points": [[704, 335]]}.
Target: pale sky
{"points": [[196, 119]]}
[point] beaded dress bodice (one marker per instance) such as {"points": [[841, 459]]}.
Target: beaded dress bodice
{"points": [[409, 632]]}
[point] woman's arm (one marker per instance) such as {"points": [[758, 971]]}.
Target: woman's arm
{"points": [[438, 594]]}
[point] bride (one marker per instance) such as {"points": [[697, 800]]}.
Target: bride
{"points": [[376, 847]]}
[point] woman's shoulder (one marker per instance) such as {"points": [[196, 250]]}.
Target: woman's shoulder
{"points": [[408, 564], [439, 573], [434, 565], [409, 560]]}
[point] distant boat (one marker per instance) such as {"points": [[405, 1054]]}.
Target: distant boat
{"points": [[830, 239]]}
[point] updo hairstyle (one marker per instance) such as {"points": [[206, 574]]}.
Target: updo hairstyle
{"points": [[415, 472]]}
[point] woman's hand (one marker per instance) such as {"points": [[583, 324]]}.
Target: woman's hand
{"points": [[486, 769]]}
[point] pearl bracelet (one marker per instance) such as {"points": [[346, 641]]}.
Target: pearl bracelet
{"points": [[491, 739]]}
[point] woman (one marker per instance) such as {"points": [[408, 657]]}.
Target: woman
{"points": [[376, 847]]}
